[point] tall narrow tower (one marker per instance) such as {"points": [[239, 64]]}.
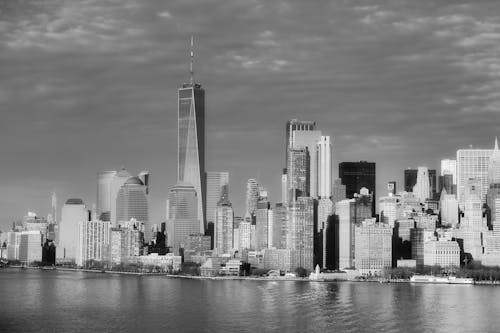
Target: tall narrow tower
{"points": [[191, 139]]}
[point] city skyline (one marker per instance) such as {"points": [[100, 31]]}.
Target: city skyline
{"points": [[69, 126]]}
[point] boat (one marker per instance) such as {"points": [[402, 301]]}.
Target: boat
{"points": [[440, 279]]}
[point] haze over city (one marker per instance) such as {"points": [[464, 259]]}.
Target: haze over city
{"points": [[90, 86]]}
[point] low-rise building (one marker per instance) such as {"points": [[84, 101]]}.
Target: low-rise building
{"points": [[442, 252], [279, 259]]}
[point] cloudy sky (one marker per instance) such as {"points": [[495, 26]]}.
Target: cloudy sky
{"points": [[90, 85]]}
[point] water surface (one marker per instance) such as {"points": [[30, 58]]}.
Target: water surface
{"points": [[58, 301]]}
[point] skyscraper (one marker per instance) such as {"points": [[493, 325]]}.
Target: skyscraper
{"points": [[292, 126], [118, 180], [493, 180], [300, 235], [182, 215], [449, 167], [298, 173], [93, 241], [356, 175], [224, 218], [410, 180], [73, 212], [252, 196], [191, 139], [324, 148], [104, 191], [216, 180], [310, 140], [345, 239], [263, 223], [422, 187], [132, 202], [472, 163]]}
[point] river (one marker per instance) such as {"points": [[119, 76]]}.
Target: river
{"points": [[61, 301]]}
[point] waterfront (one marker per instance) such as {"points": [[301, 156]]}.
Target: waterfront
{"points": [[64, 301]]}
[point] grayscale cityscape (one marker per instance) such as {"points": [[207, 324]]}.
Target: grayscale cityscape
{"points": [[249, 166]]}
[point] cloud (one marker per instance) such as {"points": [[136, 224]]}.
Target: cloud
{"points": [[165, 14]]}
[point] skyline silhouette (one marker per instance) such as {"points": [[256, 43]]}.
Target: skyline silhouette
{"points": [[399, 84]]}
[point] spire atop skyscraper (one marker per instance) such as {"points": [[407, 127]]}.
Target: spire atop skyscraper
{"points": [[191, 73], [496, 143]]}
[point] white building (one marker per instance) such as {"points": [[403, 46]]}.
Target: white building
{"points": [[13, 242], [73, 212], [449, 209], [389, 209], [422, 188], [472, 163], [343, 210], [245, 232], [93, 241], [444, 253], [324, 148], [168, 262], [373, 247]]}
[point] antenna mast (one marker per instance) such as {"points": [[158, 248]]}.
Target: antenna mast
{"points": [[191, 74]]}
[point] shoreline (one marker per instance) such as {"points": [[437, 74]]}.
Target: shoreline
{"points": [[234, 278]]}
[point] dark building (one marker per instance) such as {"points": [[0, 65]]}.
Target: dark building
{"points": [[159, 244], [355, 175], [49, 253], [410, 178], [332, 244], [417, 246], [210, 232], [401, 241]]}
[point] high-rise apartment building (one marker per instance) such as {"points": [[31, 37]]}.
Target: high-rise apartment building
{"points": [[356, 175], [252, 196], [191, 140], [73, 212], [244, 235], [280, 225], [93, 242], [182, 215], [264, 224], [223, 233], [216, 180]]}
